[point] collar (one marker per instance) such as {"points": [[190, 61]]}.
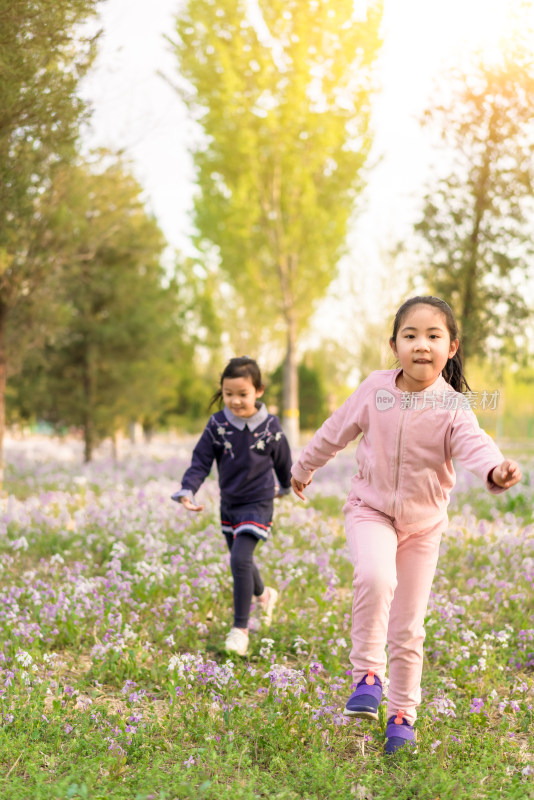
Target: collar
{"points": [[249, 422], [439, 383]]}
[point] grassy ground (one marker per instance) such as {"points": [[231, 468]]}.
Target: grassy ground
{"points": [[114, 605]]}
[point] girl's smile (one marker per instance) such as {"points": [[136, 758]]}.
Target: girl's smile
{"points": [[423, 347], [239, 396]]}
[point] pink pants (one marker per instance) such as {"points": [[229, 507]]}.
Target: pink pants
{"points": [[393, 573]]}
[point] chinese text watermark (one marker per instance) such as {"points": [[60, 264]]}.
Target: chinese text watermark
{"points": [[452, 401]]}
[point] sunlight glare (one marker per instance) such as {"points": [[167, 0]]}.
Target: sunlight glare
{"points": [[486, 26]]}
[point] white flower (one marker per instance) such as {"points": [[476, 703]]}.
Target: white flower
{"points": [[227, 446], [221, 431], [128, 633], [278, 436], [300, 644], [119, 550], [261, 445], [185, 663], [265, 651], [24, 658], [20, 544]]}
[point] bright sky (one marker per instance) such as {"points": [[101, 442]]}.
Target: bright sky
{"points": [[136, 110]]}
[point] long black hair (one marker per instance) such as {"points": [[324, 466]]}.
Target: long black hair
{"points": [[239, 367], [453, 370]]}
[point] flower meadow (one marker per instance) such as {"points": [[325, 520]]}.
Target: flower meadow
{"points": [[114, 606]]}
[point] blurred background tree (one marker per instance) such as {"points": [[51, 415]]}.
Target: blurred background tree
{"points": [[282, 97], [323, 386], [478, 217], [110, 361], [43, 57]]}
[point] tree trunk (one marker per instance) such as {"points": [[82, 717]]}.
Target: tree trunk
{"points": [[88, 436], [290, 413], [3, 378], [115, 447], [469, 312]]}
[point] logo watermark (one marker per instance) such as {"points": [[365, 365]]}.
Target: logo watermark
{"points": [[384, 400], [452, 401]]}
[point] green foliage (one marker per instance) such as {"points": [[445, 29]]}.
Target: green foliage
{"points": [[276, 159], [510, 415], [322, 387], [518, 409], [43, 58], [197, 362], [312, 395], [43, 55], [112, 360], [477, 218]]}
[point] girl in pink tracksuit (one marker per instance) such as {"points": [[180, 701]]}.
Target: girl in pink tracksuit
{"points": [[414, 420]]}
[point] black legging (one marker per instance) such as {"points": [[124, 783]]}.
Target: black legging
{"points": [[247, 579]]}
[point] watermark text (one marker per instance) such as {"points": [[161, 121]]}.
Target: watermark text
{"points": [[452, 401]]}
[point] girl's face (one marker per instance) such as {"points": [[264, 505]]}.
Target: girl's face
{"points": [[240, 395], [423, 347]]}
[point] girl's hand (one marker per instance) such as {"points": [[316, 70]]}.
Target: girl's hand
{"points": [[299, 487], [506, 474], [185, 501]]}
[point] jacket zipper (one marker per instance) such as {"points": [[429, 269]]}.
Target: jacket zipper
{"points": [[397, 464]]}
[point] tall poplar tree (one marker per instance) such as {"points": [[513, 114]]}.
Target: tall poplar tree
{"points": [[478, 215], [282, 92]]}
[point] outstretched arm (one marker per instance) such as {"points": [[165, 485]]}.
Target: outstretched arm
{"points": [[477, 451], [333, 435]]}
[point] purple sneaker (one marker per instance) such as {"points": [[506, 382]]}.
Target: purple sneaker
{"points": [[365, 699], [399, 734]]}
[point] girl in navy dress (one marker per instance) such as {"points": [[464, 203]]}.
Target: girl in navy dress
{"points": [[249, 447]]}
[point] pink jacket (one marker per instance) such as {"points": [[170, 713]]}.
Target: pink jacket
{"points": [[405, 454]]}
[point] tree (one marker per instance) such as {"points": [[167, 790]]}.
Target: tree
{"points": [[283, 100], [197, 372], [43, 57], [312, 394], [111, 361], [477, 218]]}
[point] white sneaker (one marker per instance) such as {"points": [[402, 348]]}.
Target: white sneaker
{"points": [[236, 642], [268, 607]]}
